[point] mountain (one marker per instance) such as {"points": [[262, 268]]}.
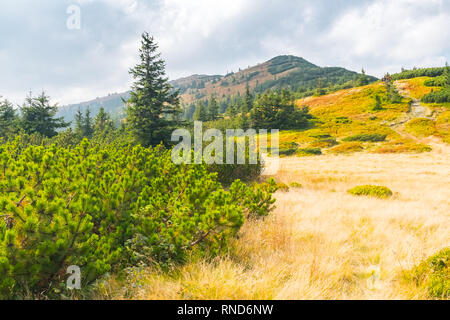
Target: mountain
{"points": [[280, 72], [113, 103], [285, 71]]}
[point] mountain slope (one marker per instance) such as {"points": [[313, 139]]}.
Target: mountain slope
{"points": [[280, 72], [112, 103]]}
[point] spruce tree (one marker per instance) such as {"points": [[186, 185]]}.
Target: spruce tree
{"points": [[8, 119], [79, 120], [213, 109], [248, 101], [446, 75], [102, 122], [363, 81], [88, 129], [201, 113], [38, 116], [153, 106]]}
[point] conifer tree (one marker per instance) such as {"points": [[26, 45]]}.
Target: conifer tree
{"points": [[446, 75], [213, 109], [201, 113], [248, 101], [79, 120], [363, 81], [103, 122], [8, 119], [38, 116], [277, 111], [153, 106], [88, 129]]}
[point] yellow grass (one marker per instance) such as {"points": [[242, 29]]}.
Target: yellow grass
{"points": [[415, 87], [322, 243]]}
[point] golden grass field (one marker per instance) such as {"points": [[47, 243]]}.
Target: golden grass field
{"points": [[320, 242]]}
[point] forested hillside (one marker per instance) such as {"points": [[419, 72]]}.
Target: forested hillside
{"points": [[282, 72]]}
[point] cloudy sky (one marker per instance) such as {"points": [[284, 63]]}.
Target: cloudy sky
{"points": [[41, 46]]}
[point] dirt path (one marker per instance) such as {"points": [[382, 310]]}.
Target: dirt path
{"points": [[416, 110]]}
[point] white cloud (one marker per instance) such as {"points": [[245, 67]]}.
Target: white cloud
{"points": [[204, 36], [389, 34]]}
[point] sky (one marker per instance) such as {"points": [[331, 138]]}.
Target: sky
{"points": [[77, 50]]}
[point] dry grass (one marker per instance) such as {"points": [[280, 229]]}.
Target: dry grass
{"points": [[321, 243], [415, 88]]}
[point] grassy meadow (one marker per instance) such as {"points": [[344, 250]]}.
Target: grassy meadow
{"points": [[322, 242]]}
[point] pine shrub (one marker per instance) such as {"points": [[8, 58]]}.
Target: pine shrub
{"points": [[371, 191], [106, 207]]}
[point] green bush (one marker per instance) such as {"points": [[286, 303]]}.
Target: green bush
{"points": [[440, 96], [105, 207], [369, 137], [283, 187], [295, 185], [228, 173], [287, 151], [434, 274], [424, 72], [309, 152], [371, 191], [435, 82]]}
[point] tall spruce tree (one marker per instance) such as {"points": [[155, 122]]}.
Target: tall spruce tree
{"points": [[38, 116], [153, 108]]}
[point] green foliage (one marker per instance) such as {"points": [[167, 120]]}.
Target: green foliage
{"points": [[303, 75], [295, 185], [102, 207], [8, 119], [371, 191], [213, 109], [415, 73], [440, 96], [277, 111], [363, 80], [228, 173], [153, 107], [283, 187], [378, 104], [38, 116], [392, 94], [83, 124], [256, 199], [435, 82], [309, 152], [201, 112], [434, 274], [369, 137]]}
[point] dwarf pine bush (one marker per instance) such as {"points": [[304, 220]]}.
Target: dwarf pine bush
{"points": [[371, 191], [105, 207], [369, 137], [434, 274]]}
